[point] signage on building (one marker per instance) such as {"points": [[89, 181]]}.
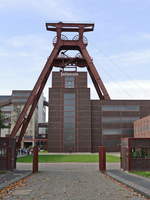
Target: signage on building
{"points": [[69, 74]]}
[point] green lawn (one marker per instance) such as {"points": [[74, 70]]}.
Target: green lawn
{"points": [[67, 158], [3, 172], [141, 173]]}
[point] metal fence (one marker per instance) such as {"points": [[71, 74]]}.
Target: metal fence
{"points": [[7, 153], [135, 154]]}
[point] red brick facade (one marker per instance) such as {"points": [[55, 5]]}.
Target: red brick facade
{"points": [[78, 124]]}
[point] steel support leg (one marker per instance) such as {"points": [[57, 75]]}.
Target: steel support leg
{"points": [[29, 116], [98, 83], [35, 90]]}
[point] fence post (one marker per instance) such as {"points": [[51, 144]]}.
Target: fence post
{"points": [[35, 159], [102, 159]]}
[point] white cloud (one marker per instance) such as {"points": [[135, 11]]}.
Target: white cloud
{"points": [[54, 9], [146, 36], [11, 3], [127, 58], [20, 41], [24, 46], [133, 57], [138, 89]]}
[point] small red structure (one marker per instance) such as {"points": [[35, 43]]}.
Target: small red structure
{"points": [[135, 154], [7, 153], [102, 159], [35, 159]]}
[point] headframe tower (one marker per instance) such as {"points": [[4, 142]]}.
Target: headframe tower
{"points": [[61, 44]]}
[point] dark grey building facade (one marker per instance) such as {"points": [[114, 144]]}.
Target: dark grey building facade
{"points": [[79, 124]]}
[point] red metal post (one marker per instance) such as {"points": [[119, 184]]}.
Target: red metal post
{"points": [[102, 159], [35, 159]]}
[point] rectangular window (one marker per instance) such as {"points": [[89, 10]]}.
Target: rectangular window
{"points": [[69, 101], [20, 94], [70, 131], [69, 114], [119, 131], [2, 152], [111, 131], [69, 108], [15, 100], [119, 119], [68, 125], [69, 82], [69, 120], [69, 96], [120, 108], [7, 108]]}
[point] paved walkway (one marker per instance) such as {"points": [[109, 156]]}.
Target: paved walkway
{"points": [[138, 183], [70, 181], [12, 176]]}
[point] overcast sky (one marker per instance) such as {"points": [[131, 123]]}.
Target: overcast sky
{"points": [[119, 45]]}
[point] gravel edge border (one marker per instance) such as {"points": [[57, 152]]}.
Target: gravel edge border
{"points": [[7, 184], [130, 184]]}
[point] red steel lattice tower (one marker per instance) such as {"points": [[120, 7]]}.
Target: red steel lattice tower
{"points": [[61, 44]]}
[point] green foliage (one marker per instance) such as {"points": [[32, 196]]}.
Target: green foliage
{"points": [[2, 120], [68, 158], [142, 173], [3, 172]]}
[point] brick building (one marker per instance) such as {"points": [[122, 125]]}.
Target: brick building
{"points": [[79, 124], [142, 127], [14, 105]]}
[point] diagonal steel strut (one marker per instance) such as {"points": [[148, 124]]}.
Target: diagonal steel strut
{"points": [[32, 101]]}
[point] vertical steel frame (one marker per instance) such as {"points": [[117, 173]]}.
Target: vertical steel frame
{"points": [[59, 45]]}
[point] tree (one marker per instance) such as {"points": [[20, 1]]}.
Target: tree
{"points": [[2, 121]]}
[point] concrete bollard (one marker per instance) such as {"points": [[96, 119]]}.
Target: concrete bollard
{"points": [[102, 159]]}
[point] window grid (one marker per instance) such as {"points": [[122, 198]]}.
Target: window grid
{"points": [[69, 81], [69, 119], [120, 108]]}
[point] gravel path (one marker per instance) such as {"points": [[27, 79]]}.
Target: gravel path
{"points": [[70, 182]]}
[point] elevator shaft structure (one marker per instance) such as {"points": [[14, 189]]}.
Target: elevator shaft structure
{"points": [[58, 58]]}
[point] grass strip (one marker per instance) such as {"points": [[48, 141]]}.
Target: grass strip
{"points": [[142, 173], [67, 158], [3, 172]]}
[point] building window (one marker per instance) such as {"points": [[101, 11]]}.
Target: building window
{"points": [[69, 107], [119, 131], [7, 108], [69, 96], [69, 120], [120, 108], [69, 81], [119, 119]]}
